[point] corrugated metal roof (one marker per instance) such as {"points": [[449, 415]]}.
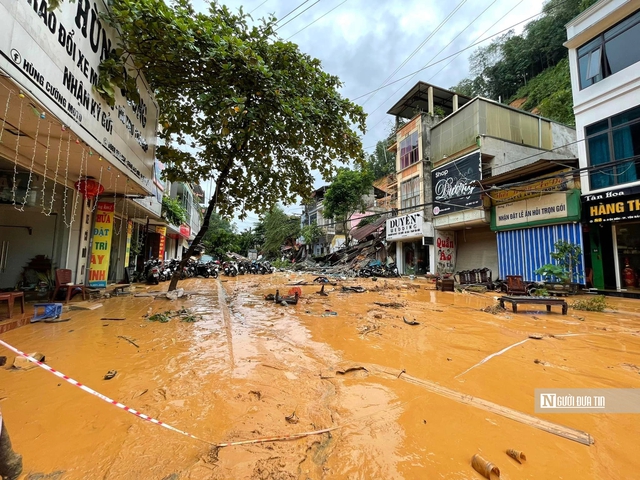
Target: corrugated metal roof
{"points": [[367, 230]]}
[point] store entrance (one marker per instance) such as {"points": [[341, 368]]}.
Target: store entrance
{"points": [[628, 240], [416, 258]]}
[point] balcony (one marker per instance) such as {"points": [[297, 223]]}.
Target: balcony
{"points": [[460, 130]]}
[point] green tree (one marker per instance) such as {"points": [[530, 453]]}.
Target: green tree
{"points": [[221, 237], [381, 162], [345, 196], [173, 211], [247, 239], [311, 234], [279, 229], [261, 114]]}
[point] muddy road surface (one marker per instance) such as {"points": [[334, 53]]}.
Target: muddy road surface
{"points": [[248, 369]]}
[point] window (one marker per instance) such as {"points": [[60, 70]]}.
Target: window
{"points": [[410, 191], [610, 52], [614, 143], [409, 150]]}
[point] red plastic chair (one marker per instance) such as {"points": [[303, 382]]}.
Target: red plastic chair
{"points": [[63, 281]]}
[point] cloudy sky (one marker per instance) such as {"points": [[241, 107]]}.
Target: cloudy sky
{"points": [[365, 41]]}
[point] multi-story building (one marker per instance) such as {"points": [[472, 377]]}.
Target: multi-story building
{"points": [[332, 237], [605, 76], [76, 175], [453, 153]]}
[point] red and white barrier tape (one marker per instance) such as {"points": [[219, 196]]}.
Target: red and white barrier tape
{"points": [[153, 420]]}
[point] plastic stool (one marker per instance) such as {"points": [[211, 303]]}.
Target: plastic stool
{"points": [[51, 310]]}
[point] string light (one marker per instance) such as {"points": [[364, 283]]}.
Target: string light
{"points": [[75, 200], [55, 178], [4, 119], [33, 159], [95, 201], [44, 174], [65, 184], [15, 165]]}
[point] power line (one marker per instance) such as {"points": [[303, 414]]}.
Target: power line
{"points": [[280, 19], [432, 58], [419, 47], [265, 1], [293, 18], [319, 18]]}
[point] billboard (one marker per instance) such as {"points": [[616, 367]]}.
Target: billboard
{"points": [[456, 185]]}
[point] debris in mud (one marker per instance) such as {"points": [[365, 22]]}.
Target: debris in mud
{"points": [[294, 290], [255, 394], [517, 455], [369, 328], [536, 336], [184, 314], [57, 475], [119, 319], [160, 317], [449, 359], [173, 476], [330, 313], [129, 340], [110, 374], [390, 304], [355, 289], [353, 369], [410, 322], [541, 362], [631, 367], [175, 294], [485, 467], [3, 360], [293, 418], [322, 292], [21, 363], [493, 309], [212, 456]]}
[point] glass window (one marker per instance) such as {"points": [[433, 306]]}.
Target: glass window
{"points": [[620, 51], [409, 150], [609, 143], [410, 192]]}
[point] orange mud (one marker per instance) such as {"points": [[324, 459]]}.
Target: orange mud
{"points": [[247, 364]]}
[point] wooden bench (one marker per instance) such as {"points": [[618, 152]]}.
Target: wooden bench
{"points": [[121, 289], [10, 298], [445, 284], [548, 301]]}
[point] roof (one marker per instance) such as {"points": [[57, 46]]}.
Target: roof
{"points": [[417, 98], [367, 230]]}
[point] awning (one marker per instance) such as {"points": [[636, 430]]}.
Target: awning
{"points": [[367, 230]]}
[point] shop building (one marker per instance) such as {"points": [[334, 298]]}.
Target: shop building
{"points": [[411, 227], [75, 173], [483, 147], [332, 237], [605, 77]]}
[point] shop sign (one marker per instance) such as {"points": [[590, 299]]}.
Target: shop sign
{"points": [[406, 226], [128, 249], [55, 55], [445, 251], [456, 185], [162, 243], [101, 249], [546, 207], [556, 184], [612, 206], [185, 230]]}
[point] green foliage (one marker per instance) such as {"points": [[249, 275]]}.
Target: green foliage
{"points": [[345, 196], [258, 108], [550, 92], [593, 304], [567, 258], [311, 233], [368, 220], [220, 238], [173, 211], [161, 317], [381, 163], [540, 292], [510, 61], [281, 264], [280, 229]]}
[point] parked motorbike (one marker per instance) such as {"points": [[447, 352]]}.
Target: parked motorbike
{"points": [[152, 271]]}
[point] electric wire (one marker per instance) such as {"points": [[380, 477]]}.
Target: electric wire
{"points": [[293, 18], [319, 18], [418, 48], [280, 19], [265, 1]]}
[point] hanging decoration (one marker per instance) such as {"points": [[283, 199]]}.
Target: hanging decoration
{"points": [[15, 164], [76, 197], [89, 187], [6, 112], [124, 203], [33, 160], [55, 177], [66, 178], [95, 203], [44, 173]]}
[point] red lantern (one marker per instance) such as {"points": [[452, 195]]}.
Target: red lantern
{"points": [[89, 187]]}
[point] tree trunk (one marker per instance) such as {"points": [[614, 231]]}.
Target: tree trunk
{"points": [[10, 461]]}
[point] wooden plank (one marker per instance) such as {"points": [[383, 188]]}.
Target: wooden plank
{"points": [[550, 427]]}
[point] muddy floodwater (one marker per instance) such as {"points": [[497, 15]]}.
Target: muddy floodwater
{"points": [[331, 361]]}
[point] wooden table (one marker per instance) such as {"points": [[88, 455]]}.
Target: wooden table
{"points": [[445, 284], [10, 298], [548, 301]]}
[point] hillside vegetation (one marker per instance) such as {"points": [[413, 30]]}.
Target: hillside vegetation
{"points": [[532, 66]]}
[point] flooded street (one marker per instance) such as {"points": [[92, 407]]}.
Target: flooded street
{"points": [[247, 364]]}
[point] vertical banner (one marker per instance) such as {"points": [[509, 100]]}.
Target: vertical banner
{"points": [[101, 249], [128, 249], [163, 238], [445, 252]]}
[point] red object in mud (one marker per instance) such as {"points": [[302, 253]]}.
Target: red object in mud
{"points": [[89, 187], [629, 274], [295, 290]]}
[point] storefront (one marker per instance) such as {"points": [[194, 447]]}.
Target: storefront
{"points": [[528, 229], [414, 243], [613, 237]]}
